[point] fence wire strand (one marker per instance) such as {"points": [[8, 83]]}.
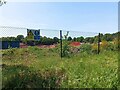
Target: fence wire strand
{"points": [[8, 30]]}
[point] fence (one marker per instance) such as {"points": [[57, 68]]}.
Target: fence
{"points": [[75, 38]]}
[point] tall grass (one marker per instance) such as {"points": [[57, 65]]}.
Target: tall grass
{"points": [[33, 67]]}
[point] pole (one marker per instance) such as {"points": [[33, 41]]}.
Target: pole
{"points": [[61, 42], [99, 43]]}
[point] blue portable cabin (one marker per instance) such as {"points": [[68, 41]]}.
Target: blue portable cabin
{"points": [[9, 44], [14, 44], [0, 44], [4, 44]]}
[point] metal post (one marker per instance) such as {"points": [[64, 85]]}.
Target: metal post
{"points": [[99, 43], [61, 42]]}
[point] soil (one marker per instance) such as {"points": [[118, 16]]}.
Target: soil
{"points": [[22, 45]]}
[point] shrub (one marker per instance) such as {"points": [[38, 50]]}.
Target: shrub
{"points": [[66, 47], [116, 43], [66, 50], [95, 48], [104, 45], [109, 45], [86, 48]]}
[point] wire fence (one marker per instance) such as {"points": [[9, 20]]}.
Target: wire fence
{"points": [[14, 31], [75, 38]]}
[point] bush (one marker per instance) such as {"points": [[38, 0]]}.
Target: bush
{"points": [[66, 50], [112, 47], [104, 45], [116, 42], [95, 48], [109, 46], [86, 48]]}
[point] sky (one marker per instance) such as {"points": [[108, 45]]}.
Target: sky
{"points": [[77, 17], [62, 0]]}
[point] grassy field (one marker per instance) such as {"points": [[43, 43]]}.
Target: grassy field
{"points": [[33, 67]]}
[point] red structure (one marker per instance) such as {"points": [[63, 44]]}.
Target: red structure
{"points": [[75, 44]]}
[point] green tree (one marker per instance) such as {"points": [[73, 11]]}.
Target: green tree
{"points": [[24, 40], [20, 37], [9, 39], [74, 39], [69, 38], [91, 40], [56, 40], [87, 39], [47, 41], [95, 39], [107, 37], [80, 39]]}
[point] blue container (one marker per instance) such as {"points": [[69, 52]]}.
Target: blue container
{"points": [[0, 44], [14, 44], [5, 44], [9, 44]]}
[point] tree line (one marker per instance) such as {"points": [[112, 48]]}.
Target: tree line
{"points": [[48, 41]]}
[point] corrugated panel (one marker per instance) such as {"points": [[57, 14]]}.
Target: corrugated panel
{"points": [[5, 45], [14, 44], [11, 44], [0, 44]]}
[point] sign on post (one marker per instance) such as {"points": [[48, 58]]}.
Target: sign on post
{"points": [[33, 34]]}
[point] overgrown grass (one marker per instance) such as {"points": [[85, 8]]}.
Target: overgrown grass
{"points": [[33, 67]]}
